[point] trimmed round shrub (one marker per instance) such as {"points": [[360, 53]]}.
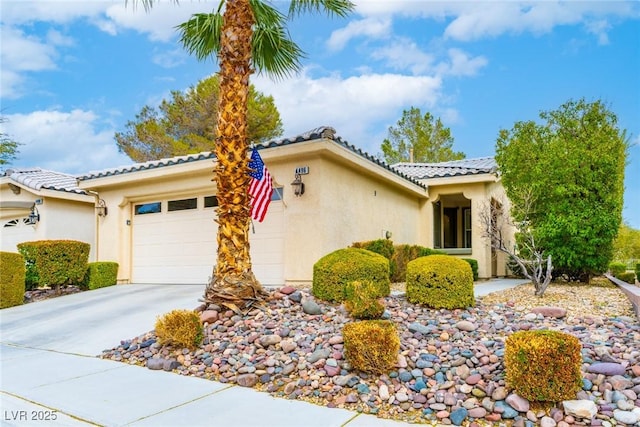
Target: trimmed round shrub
{"points": [[543, 365], [12, 276], [181, 328], [361, 301], [383, 247], [101, 274], [333, 271], [371, 345], [403, 254], [440, 281]]}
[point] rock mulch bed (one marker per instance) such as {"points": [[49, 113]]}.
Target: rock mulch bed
{"points": [[41, 294], [450, 367]]}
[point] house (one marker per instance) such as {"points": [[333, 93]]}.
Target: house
{"points": [[38, 204], [161, 227]]}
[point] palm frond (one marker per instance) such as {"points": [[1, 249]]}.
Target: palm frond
{"points": [[200, 35], [273, 50], [146, 4], [340, 8]]}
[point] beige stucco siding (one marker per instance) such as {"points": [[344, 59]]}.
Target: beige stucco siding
{"points": [[62, 217]]}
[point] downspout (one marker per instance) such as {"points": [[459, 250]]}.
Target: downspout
{"points": [[98, 204]]}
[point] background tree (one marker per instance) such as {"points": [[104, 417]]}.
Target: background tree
{"points": [[418, 138], [573, 166], [626, 246], [8, 146], [186, 123], [250, 35]]}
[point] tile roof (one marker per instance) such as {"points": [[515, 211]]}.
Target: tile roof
{"points": [[323, 132], [38, 179], [476, 166]]}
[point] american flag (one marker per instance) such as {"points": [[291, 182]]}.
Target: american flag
{"points": [[260, 188]]}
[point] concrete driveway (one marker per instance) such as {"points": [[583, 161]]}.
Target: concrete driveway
{"points": [[50, 376]]}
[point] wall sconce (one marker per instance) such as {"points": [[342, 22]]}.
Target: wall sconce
{"points": [[298, 186], [101, 208], [34, 216]]}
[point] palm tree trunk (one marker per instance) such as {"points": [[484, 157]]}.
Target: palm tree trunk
{"points": [[233, 284]]}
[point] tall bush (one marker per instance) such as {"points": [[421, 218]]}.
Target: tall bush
{"points": [[403, 254], [383, 247]]}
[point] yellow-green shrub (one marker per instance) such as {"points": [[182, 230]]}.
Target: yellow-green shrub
{"points": [[361, 301], [440, 281], [333, 271], [371, 345], [383, 247], [12, 276], [101, 274], [543, 365], [57, 262], [403, 254], [181, 328]]}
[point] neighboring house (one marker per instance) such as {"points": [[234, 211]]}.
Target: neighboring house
{"points": [[161, 224], [37, 204]]}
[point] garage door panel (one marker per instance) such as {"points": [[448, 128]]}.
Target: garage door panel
{"points": [[180, 246]]}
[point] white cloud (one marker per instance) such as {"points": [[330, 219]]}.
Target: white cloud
{"points": [[373, 28], [169, 58], [461, 64], [476, 20], [22, 53], [404, 54], [71, 142], [355, 106]]}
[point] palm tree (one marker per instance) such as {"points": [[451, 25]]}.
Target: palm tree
{"points": [[248, 35]]}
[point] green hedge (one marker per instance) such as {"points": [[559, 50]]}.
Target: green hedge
{"points": [[12, 276], [638, 270], [101, 274], [474, 267], [440, 281], [617, 267], [56, 262], [627, 276], [333, 271]]}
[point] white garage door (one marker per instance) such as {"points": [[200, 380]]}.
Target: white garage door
{"points": [[16, 231], [174, 241]]}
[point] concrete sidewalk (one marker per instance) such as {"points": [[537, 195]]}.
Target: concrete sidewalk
{"points": [[50, 375]]}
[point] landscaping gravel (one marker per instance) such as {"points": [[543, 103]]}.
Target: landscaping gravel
{"points": [[450, 367]]}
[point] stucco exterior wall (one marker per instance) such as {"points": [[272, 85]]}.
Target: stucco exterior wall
{"points": [[341, 205], [60, 218]]}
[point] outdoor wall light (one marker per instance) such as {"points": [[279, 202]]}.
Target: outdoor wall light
{"points": [[34, 216], [298, 185], [101, 208]]}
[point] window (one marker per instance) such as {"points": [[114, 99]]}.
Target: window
{"points": [[17, 222], [210, 201], [182, 205], [148, 208], [278, 193], [437, 225], [467, 227]]}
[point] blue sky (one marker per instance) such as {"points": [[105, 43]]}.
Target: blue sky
{"points": [[74, 72]]}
